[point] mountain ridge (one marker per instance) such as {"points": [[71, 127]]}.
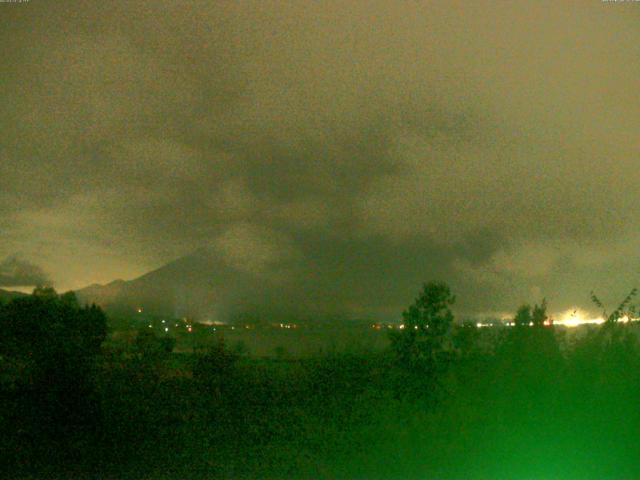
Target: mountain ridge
{"points": [[202, 285], [6, 295]]}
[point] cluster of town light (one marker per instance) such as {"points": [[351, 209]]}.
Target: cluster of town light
{"points": [[288, 325], [165, 326], [570, 318], [576, 317], [389, 326]]}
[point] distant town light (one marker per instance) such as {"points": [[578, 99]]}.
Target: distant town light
{"points": [[576, 317]]}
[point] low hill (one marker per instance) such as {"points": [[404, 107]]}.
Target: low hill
{"points": [[6, 295]]}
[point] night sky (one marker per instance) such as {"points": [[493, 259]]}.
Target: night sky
{"points": [[364, 147]]}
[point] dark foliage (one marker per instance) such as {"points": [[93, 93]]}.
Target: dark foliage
{"points": [[422, 345], [149, 345], [48, 344], [445, 401]]}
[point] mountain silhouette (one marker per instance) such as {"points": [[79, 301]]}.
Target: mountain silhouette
{"points": [[6, 295], [203, 286]]}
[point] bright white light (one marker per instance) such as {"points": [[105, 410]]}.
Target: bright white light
{"points": [[575, 317], [166, 329]]}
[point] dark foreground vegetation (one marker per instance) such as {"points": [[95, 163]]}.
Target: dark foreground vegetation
{"points": [[446, 401]]}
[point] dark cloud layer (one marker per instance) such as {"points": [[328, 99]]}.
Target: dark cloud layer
{"points": [[371, 145], [17, 272]]}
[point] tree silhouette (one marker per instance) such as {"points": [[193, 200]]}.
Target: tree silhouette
{"points": [[54, 342], [530, 358], [624, 308], [423, 342], [46, 325], [539, 315], [523, 316], [527, 316]]}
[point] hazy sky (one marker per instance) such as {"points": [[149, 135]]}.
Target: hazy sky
{"points": [[374, 145]]}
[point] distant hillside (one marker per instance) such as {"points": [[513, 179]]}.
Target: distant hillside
{"points": [[6, 295], [101, 294], [203, 286], [194, 285]]}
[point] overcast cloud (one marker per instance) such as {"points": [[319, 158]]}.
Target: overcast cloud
{"points": [[359, 148]]}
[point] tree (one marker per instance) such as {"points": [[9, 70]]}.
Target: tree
{"points": [[624, 308], [54, 342], [530, 355], [523, 316], [423, 342], [539, 315], [527, 316], [614, 346], [46, 325]]}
